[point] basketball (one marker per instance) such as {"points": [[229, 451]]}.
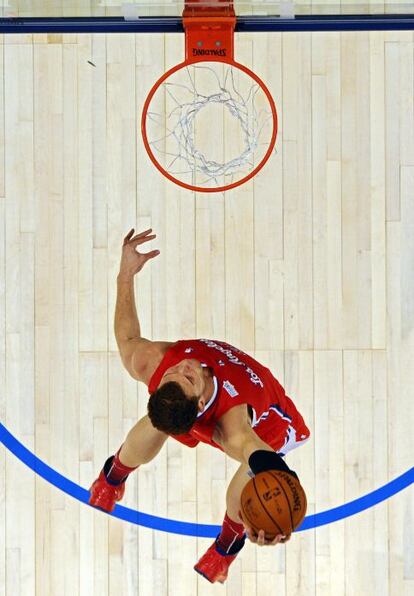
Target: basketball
{"points": [[273, 501]]}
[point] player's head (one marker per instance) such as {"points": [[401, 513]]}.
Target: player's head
{"points": [[174, 406]]}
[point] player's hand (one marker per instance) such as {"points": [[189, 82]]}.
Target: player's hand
{"points": [[133, 261], [260, 540]]}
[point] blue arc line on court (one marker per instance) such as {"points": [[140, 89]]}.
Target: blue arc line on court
{"points": [[192, 529]]}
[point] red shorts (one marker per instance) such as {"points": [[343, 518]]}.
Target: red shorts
{"points": [[282, 429]]}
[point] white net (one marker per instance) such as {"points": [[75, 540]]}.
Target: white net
{"points": [[209, 124]]}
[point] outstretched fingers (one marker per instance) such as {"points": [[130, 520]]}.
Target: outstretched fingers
{"points": [[138, 238], [150, 255], [128, 236]]}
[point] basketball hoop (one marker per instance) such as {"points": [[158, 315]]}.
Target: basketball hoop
{"points": [[206, 97]]}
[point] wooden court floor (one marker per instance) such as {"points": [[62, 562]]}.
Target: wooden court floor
{"points": [[309, 268]]}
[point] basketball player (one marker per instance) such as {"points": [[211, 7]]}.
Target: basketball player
{"points": [[200, 390]]}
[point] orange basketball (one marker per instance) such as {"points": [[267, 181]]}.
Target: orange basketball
{"points": [[273, 501]]}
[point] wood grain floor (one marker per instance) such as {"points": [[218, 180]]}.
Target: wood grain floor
{"points": [[310, 268]]}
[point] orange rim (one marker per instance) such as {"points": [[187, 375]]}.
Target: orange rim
{"points": [[191, 186]]}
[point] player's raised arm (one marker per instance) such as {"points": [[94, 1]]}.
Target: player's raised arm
{"points": [[127, 328]]}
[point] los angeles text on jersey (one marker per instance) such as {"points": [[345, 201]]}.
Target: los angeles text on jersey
{"points": [[254, 378]]}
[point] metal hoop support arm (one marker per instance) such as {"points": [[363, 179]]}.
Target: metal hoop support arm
{"points": [[209, 31]]}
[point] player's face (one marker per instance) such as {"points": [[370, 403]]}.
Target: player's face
{"points": [[188, 374]]}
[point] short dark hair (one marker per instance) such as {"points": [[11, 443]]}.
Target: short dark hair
{"points": [[171, 410]]}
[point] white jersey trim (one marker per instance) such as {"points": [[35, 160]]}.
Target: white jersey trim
{"points": [[212, 398], [273, 408]]}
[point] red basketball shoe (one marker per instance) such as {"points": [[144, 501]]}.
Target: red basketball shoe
{"points": [[104, 495], [215, 563]]}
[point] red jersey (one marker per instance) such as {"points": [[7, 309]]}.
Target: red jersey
{"points": [[238, 379]]}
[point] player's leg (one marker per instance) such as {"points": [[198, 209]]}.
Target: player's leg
{"points": [[141, 445], [214, 564]]}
